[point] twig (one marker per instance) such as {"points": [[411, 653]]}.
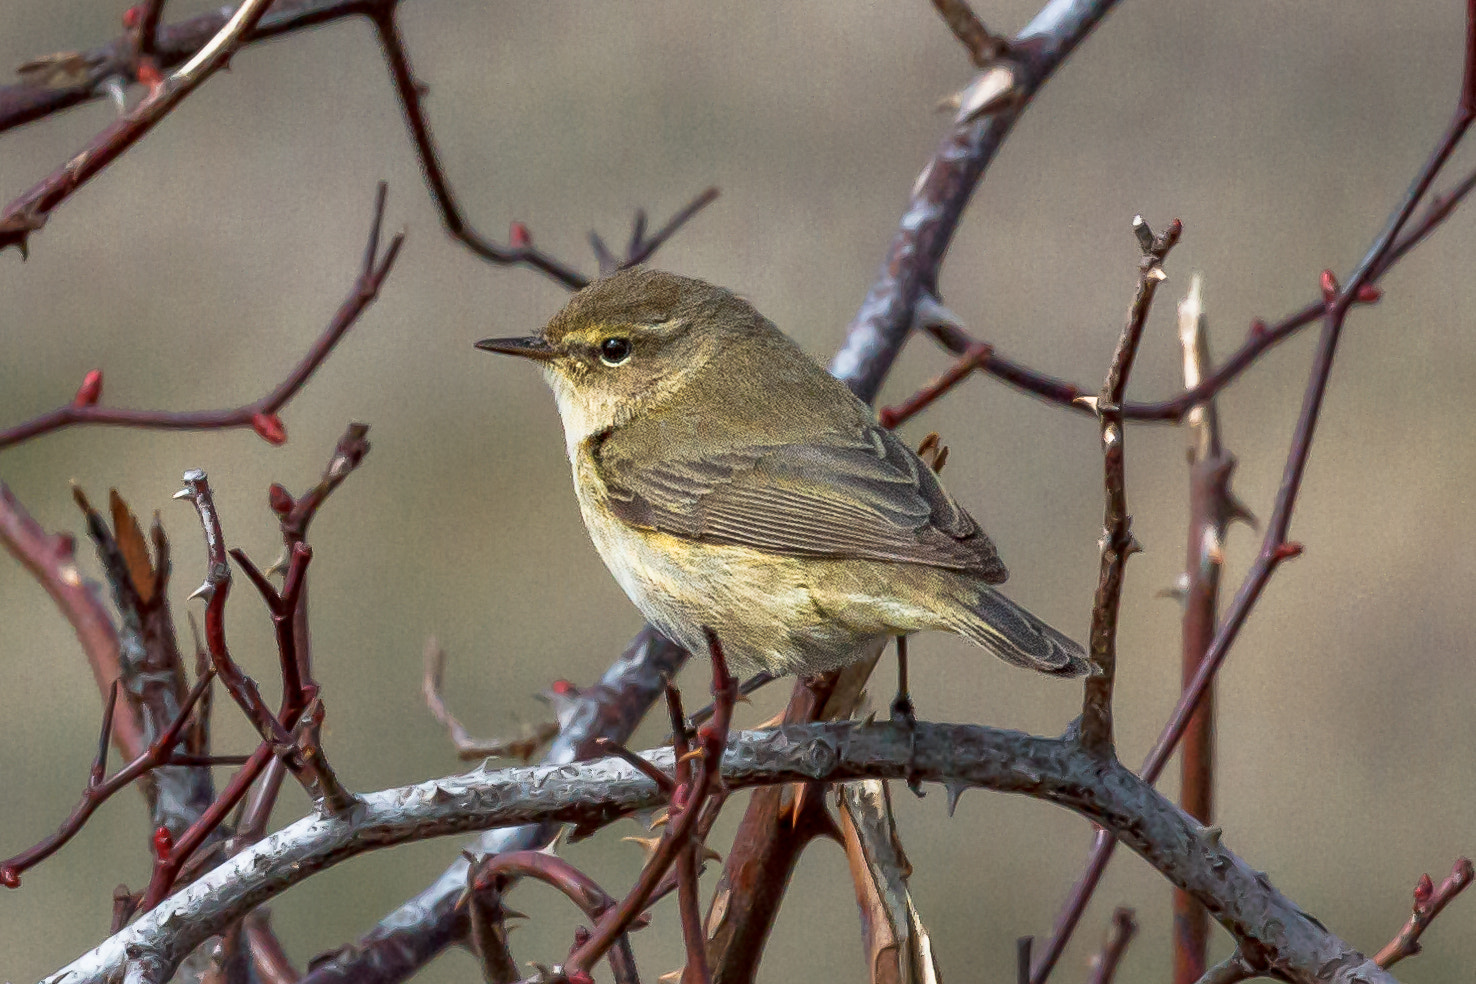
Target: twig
{"points": [[685, 808], [1105, 962], [982, 46], [426, 924], [1211, 508], [1051, 769], [487, 926], [1117, 537], [1231, 970], [99, 789], [1428, 903], [898, 947], [520, 249], [469, 748], [1259, 340], [923, 398], [51, 560], [260, 415], [29, 212], [1275, 547]]}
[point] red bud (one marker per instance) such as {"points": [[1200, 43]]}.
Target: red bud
{"points": [[518, 236], [90, 390], [9, 878], [268, 427], [1329, 285], [148, 73], [280, 499], [1424, 891], [1286, 551], [887, 417], [579, 977], [564, 688], [1258, 328], [163, 842], [1369, 294], [132, 16]]}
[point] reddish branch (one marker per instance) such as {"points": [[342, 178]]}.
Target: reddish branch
{"points": [[30, 211], [1338, 300], [1117, 537], [1429, 900], [51, 560], [1260, 338], [469, 748], [1212, 506], [520, 249], [260, 415], [99, 789], [693, 786]]}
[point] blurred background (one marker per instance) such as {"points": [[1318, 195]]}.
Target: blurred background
{"points": [[196, 270]]}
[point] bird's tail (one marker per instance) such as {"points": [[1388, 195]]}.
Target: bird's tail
{"points": [[1014, 635]]}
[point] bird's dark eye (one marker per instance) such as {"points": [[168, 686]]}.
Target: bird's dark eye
{"points": [[614, 351]]}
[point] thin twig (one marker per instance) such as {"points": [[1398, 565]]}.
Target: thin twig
{"points": [[467, 747], [982, 46], [1117, 538], [29, 212], [1106, 960], [1429, 900], [1275, 547], [260, 415]]}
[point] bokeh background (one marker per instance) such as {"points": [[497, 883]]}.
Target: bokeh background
{"points": [[196, 270]]}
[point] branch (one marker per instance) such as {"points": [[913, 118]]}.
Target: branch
{"points": [[1337, 301], [1105, 963], [261, 415], [1260, 339], [898, 947], [1056, 770], [1428, 903], [982, 46], [29, 212], [52, 560], [909, 270], [411, 935], [1117, 538], [469, 748]]}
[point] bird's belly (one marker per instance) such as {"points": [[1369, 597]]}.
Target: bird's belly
{"points": [[772, 612]]}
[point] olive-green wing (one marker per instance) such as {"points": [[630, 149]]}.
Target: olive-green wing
{"points": [[862, 494]]}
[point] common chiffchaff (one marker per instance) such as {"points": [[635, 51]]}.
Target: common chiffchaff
{"points": [[729, 482]]}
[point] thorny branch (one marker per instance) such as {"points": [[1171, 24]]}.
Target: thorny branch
{"points": [[1056, 770], [1337, 301], [1117, 537], [29, 212]]}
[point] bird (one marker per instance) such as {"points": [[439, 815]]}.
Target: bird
{"points": [[731, 485]]}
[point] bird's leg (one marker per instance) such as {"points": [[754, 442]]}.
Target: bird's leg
{"points": [[904, 714]]}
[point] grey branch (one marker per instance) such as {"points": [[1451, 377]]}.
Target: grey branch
{"points": [[1057, 770]]}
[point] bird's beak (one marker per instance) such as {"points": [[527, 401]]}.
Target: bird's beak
{"points": [[531, 347]]}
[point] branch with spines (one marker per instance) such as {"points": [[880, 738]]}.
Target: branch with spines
{"points": [[591, 794]]}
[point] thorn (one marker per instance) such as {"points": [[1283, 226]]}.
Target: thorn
{"points": [[203, 591], [992, 90], [1133, 546], [695, 753], [1155, 272], [183, 494], [648, 844], [954, 790], [671, 977], [1212, 835], [1090, 402], [1238, 511]]}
